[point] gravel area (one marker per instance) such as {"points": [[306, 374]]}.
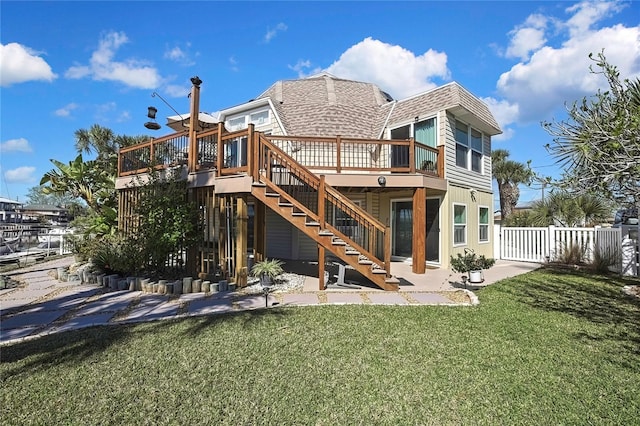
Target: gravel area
{"points": [[285, 283]]}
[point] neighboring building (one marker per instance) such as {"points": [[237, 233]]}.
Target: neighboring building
{"points": [[46, 213], [10, 211], [420, 165]]}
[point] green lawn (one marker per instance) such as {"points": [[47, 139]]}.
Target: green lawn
{"points": [[543, 348]]}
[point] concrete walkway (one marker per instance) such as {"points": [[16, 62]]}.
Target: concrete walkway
{"points": [[43, 305]]}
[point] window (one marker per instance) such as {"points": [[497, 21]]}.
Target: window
{"points": [[260, 118], [236, 123], [483, 224], [459, 224], [476, 151], [468, 143], [462, 144]]}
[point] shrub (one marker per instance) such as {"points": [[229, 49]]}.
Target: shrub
{"points": [[572, 254], [470, 261]]}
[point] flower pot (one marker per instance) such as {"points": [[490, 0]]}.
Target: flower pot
{"points": [[476, 277]]}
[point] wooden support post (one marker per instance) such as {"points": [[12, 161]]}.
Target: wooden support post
{"points": [[321, 260], [321, 202], [250, 157], [220, 150], [194, 113], [419, 230], [412, 155], [338, 154], [387, 250], [440, 162], [241, 241], [260, 231]]}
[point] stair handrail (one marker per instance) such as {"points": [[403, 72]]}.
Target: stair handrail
{"points": [[264, 154]]}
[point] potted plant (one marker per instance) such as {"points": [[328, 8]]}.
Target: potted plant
{"points": [[472, 264], [267, 270]]}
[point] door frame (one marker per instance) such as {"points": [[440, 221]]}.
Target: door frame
{"points": [[439, 261], [393, 232]]}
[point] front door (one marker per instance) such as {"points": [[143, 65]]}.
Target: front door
{"points": [[402, 228], [433, 230]]}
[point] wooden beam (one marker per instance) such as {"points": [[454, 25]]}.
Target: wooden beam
{"points": [[321, 257], [260, 231], [242, 213], [419, 230]]}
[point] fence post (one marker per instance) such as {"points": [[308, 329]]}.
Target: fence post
{"points": [[496, 241], [551, 240]]}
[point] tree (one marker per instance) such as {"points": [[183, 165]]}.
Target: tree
{"points": [[565, 209], [38, 195], [599, 144], [102, 142], [509, 174], [81, 179]]}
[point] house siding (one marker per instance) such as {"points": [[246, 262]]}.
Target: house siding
{"points": [[458, 175], [463, 195]]}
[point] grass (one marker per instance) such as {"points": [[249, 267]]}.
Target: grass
{"points": [[548, 347]]}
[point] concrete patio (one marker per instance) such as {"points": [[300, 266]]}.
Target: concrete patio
{"points": [[44, 305]]}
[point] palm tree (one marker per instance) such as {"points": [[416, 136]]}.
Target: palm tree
{"points": [[565, 209], [105, 144], [509, 174]]}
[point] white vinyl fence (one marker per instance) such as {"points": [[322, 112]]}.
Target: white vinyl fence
{"points": [[537, 244]]}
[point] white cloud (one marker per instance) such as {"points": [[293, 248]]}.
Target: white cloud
{"points": [[233, 62], [66, 110], [20, 175], [303, 68], [179, 55], [15, 145], [19, 64], [272, 32], [176, 90], [554, 76], [505, 114], [587, 13], [102, 66], [527, 38], [393, 68]]}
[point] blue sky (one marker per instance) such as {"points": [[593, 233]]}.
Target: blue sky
{"points": [[65, 66]]}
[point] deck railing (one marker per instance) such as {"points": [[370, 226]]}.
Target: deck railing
{"points": [[227, 152], [159, 153]]}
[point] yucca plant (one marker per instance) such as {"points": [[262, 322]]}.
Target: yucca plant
{"points": [[267, 270]]}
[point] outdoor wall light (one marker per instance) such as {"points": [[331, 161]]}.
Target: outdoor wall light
{"points": [[382, 181]]}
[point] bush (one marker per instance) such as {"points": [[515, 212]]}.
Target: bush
{"points": [[572, 254], [470, 261]]}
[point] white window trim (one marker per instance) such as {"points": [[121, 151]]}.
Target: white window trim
{"points": [[466, 224], [412, 130], [470, 148], [487, 224]]}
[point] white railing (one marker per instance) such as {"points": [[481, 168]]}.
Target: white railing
{"points": [[536, 244], [58, 243]]}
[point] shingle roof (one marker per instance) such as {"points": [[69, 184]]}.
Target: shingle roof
{"points": [[324, 105], [328, 106]]}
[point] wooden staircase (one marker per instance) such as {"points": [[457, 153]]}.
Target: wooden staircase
{"points": [[312, 223]]}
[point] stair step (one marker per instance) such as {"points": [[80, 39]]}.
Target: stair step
{"points": [[299, 214], [379, 271], [338, 243], [325, 234], [352, 253], [285, 205], [392, 280], [312, 224], [365, 262], [259, 184], [272, 194]]}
